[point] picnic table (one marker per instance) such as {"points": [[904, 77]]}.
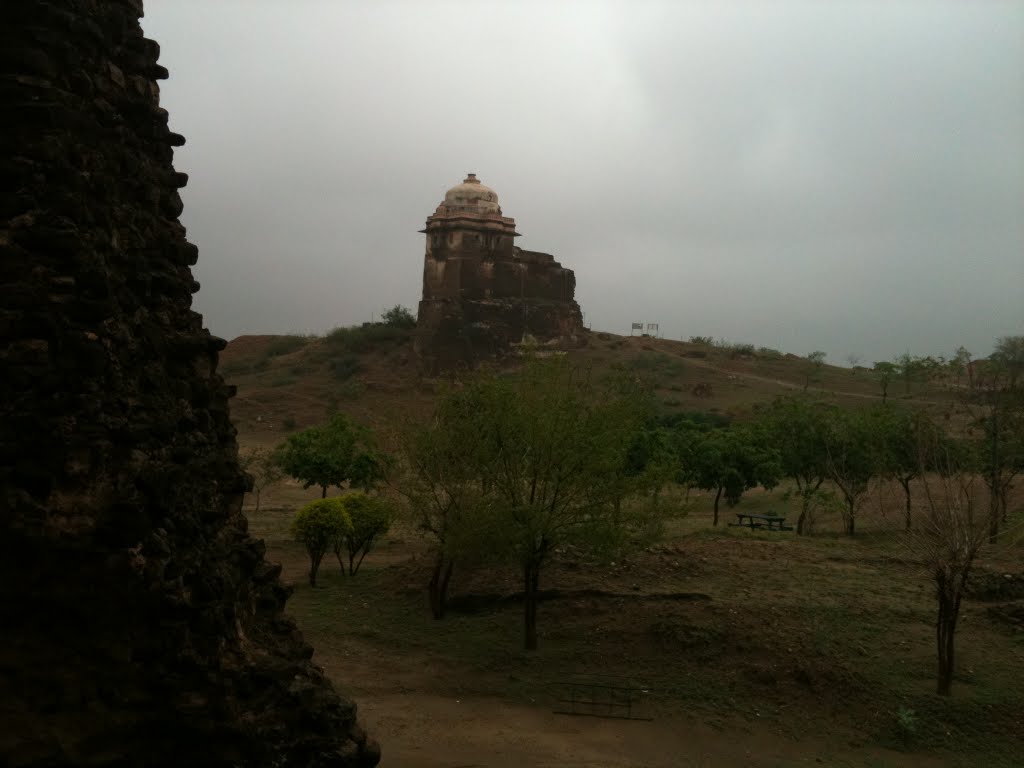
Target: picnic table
{"points": [[771, 522]]}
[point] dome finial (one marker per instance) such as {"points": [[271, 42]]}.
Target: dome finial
{"points": [[471, 179]]}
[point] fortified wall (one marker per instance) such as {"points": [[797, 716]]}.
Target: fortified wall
{"points": [[481, 293], [141, 625]]}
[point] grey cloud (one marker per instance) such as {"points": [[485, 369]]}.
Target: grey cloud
{"points": [[843, 176]]}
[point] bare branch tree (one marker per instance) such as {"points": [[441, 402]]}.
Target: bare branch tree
{"points": [[947, 541]]}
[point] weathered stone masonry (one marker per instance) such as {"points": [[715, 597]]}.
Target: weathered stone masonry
{"points": [[482, 293], [141, 625]]}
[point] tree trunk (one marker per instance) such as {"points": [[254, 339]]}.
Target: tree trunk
{"points": [[905, 482], [802, 520], [323, 493], [314, 566], [438, 589], [994, 485], [531, 579], [717, 497], [945, 630], [257, 501], [341, 563], [851, 523]]}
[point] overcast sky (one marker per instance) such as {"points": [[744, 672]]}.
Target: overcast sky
{"points": [[843, 176]]}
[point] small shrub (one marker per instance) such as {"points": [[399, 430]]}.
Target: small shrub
{"points": [[906, 725], [369, 517], [769, 353], [673, 403], [283, 381], [262, 364], [288, 423], [350, 390], [345, 367], [319, 526], [706, 341]]}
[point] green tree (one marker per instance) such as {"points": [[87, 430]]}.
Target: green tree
{"points": [[913, 370], [262, 468], [445, 489], [815, 365], [999, 389], [798, 429], [399, 317], [319, 526], [884, 374], [852, 457], [554, 461], [369, 518], [332, 454], [902, 431], [727, 461], [960, 365]]}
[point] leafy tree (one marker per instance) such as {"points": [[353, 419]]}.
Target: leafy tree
{"points": [[445, 490], [332, 454], [1009, 356], [369, 518], [319, 526], [913, 369], [853, 359], [262, 467], [399, 317], [901, 432], [554, 461], [798, 430], [1000, 391], [727, 461], [959, 365], [851, 457], [884, 374], [816, 362]]}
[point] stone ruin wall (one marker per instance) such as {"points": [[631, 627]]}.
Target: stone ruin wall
{"points": [[142, 625], [482, 295]]}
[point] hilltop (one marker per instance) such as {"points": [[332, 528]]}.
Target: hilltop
{"points": [[291, 382]]}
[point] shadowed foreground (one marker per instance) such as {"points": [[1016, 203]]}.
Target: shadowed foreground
{"points": [[142, 625]]}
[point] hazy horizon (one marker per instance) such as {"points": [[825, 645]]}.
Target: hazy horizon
{"points": [[846, 176]]}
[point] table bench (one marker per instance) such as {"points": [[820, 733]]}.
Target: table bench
{"points": [[770, 522]]}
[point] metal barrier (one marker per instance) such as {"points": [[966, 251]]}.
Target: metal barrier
{"points": [[600, 700]]}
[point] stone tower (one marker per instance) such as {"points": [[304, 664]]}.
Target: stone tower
{"points": [[481, 292]]}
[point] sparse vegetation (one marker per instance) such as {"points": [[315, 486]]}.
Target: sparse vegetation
{"points": [[285, 345], [856, 627]]}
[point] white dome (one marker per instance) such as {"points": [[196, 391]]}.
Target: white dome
{"points": [[472, 195]]}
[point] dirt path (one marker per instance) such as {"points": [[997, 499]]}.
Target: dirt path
{"points": [[428, 731], [792, 386]]}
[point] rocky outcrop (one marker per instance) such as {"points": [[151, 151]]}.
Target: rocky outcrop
{"points": [[141, 624]]}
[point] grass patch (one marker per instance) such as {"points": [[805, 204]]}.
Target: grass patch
{"points": [[285, 345], [360, 339]]}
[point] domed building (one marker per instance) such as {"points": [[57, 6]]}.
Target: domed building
{"points": [[482, 293]]}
